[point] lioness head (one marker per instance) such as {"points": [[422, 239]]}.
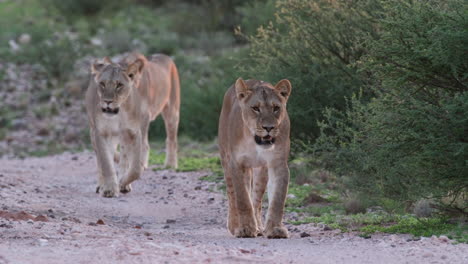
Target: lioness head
{"points": [[115, 82], [263, 108]]}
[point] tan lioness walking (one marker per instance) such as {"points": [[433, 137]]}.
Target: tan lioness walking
{"points": [[122, 99], [254, 146]]}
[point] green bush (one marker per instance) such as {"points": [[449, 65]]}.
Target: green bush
{"points": [[50, 44], [409, 142], [314, 44], [255, 14], [71, 9]]}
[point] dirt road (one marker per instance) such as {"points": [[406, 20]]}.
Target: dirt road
{"points": [[50, 214]]}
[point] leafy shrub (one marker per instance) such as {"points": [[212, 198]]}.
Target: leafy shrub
{"points": [[50, 44], [255, 14], [73, 9], [314, 44], [409, 142]]}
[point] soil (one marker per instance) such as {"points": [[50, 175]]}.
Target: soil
{"points": [[50, 214]]}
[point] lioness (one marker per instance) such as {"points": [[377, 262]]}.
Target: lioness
{"points": [[121, 100], [254, 146]]}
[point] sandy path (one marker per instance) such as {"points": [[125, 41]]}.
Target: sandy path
{"points": [[169, 217]]}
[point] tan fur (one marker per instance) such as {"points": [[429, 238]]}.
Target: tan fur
{"points": [[250, 109], [140, 89]]}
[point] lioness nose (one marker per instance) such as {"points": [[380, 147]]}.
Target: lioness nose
{"points": [[268, 128], [108, 102]]}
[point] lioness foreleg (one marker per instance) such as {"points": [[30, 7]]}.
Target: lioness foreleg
{"points": [[259, 183], [241, 178], [132, 144], [107, 182], [278, 182], [233, 215]]}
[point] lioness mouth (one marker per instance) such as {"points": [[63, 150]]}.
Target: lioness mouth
{"points": [[266, 140], [111, 111]]}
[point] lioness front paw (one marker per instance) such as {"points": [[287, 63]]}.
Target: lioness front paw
{"points": [[108, 191], [245, 231], [126, 189], [276, 232], [259, 231]]}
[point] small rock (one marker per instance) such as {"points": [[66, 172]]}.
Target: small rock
{"points": [[170, 221], [166, 227], [147, 233], [164, 177], [211, 199], [100, 222], [24, 38], [427, 255], [197, 188], [30, 221], [43, 132], [92, 224], [137, 226], [75, 220], [444, 239], [14, 47], [304, 234], [244, 251], [326, 228], [185, 195], [291, 196], [42, 242], [74, 158], [96, 41], [41, 218], [6, 225]]}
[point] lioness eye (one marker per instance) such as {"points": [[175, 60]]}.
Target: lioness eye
{"points": [[102, 84], [276, 108], [255, 108], [119, 86]]}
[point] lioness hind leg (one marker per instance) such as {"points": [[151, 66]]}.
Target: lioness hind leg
{"points": [[259, 183], [170, 115], [145, 148]]}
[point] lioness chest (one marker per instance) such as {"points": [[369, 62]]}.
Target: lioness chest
{"points": [[114, 126], [251, 155]]}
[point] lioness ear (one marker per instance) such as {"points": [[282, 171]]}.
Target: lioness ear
{"points": [[241, 89], [99, 64], [135, 68], [284, 88]]}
